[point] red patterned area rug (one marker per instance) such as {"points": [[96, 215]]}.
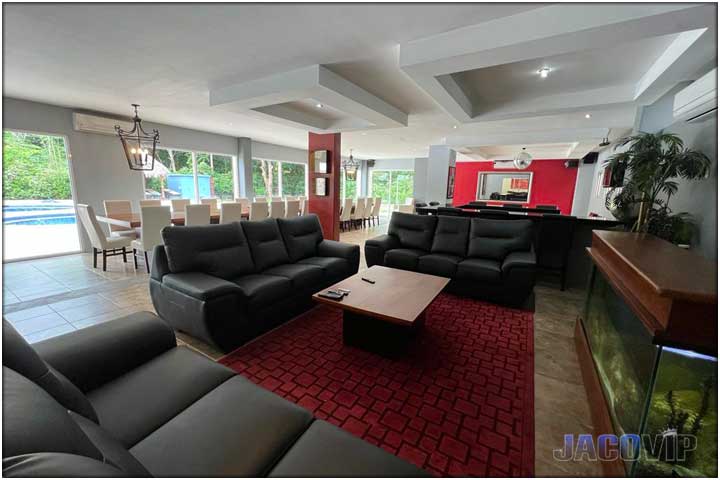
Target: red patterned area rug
{"points": [[459, 402]]}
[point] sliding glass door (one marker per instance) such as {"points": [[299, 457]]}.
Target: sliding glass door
{"points": [[38, 210], [272, 178], [393, 186]]}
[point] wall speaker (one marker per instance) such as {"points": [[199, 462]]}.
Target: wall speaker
{"points": [[572, 163]]}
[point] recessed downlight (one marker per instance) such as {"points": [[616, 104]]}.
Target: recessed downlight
{"points": [[455, 127], [319, 105], [544, 72], [587, 115]]}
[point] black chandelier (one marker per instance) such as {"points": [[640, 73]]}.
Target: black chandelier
{"points": [[350, 166], [139, 146]]}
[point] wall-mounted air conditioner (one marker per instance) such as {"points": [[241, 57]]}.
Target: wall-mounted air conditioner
{"points": [[503, 164], [698, 100], [83, 122]]}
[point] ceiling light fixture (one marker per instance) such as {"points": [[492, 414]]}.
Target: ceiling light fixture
{"points": [[587, 115], [605, 142], [319, 105], [522, 160], [139, 146], [544, 72], [350, 166], [455, 127]]}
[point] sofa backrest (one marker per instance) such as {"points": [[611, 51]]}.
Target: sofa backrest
{"points": [[414, 231], [301, 235], [495, 239], [218, 250], [266, 243], [451, 235]]}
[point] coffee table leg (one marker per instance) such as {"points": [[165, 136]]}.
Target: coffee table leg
{"points": [[376, 335]]}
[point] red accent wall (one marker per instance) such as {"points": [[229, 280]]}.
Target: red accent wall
{"points": [[553, 183], [327, 207]]}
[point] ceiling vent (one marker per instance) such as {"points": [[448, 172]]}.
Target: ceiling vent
{"points": [[697, 101], [83, 122]]}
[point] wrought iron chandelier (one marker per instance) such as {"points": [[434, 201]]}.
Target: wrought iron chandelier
{"points": [[139, 146], [350, 166]]}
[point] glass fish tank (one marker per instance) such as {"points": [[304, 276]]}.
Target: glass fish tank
{"points": [[667, 396]]}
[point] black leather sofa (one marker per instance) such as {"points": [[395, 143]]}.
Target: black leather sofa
{"points": [[484, 258], [226, 284], [120, 399]]}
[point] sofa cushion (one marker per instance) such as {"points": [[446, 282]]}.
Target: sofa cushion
{"points": [[236, 430], [58, 465], [301, 235], [403, 258], [334, 267], [440, 264], [218, 250], [479, 270], [451, 235], [259, 290], [302, 275], [352, 457], [414, 231], [199, 285], [137, 403], [266, 243], [494, 239]]}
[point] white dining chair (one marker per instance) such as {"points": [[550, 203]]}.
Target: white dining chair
{"points": [[375, 214], [345, 214], [153, 220], [406, 209], [245, 202], [259, 210], [178, 204], [292, 208], [150, 203], [197, 215], [277, 209], [231, 212], [109, 246], [113, 207], [276, 199], [213, 202], [358, 216], [289, 198], [260, 199], [305, 209]]}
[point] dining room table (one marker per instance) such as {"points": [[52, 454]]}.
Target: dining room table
{"points": [[132, 220]]}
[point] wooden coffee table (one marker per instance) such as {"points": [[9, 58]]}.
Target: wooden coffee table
{"points": [[383, 316]]}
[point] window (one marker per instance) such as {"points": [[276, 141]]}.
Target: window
{"points": [[393, 186], [272, 178], [504, 187], [191, 175], [38, 210], [348, 186]]}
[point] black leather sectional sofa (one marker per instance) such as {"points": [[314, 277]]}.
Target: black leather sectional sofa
{"points": [[120, 399], [484, 258], [226, 284]]}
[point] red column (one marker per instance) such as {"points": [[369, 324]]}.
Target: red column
{"points": [[327, 207]]}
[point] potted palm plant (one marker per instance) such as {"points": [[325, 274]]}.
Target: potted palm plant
{"points": [[652, 163]]}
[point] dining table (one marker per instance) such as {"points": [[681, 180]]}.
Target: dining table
{"points": [[132, 220]]}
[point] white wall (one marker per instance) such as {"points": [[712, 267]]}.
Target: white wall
{"points": [[583, 188], [269, 151]]}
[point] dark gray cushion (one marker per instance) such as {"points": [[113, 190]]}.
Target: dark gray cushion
{"points": [[301, 275], [139, 402], [266, 243], [301, 235], [479, 270], [59, 465], [334, 267], [262, 290], [237, 430], [403, 258], [414, 231], [440, 264], [451, 235], [218, 250], [494, 239], [326, 451], [199, 285]]}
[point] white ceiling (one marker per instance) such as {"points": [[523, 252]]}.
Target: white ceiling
{"points": [[168, 57]]}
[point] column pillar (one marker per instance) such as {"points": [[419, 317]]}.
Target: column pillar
{"points": [[326, 207], [420, 179], [440, 160], [244, 167]]}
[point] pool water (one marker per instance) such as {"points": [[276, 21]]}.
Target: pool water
{"points": [[38, 214], [45, 220]]}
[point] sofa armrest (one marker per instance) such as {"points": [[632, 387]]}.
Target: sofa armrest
{"points": [[159, 267], [521, 260], [95, 355], [199, 285], [375, 248], [348, 251]]}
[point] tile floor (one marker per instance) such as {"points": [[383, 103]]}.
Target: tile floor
{"points": [[49, 297]]}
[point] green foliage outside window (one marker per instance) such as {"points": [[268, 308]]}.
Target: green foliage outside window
{"points": [[35, 167], [266, 178], [293, 179], [394, 186]]}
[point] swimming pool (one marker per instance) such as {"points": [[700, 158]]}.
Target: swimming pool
{"points": [[39, 213]]}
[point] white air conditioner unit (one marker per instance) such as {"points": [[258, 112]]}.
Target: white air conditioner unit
{"points": [[698, 100], [83, 122], [503, 164]]}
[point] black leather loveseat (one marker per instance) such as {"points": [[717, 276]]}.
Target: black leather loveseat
{"points": [[484, 258], [120, 399], [226, 284]]}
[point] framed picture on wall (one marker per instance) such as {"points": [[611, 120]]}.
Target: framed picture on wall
{"points": [[320, 161], [451, 182], [321, 187]]}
